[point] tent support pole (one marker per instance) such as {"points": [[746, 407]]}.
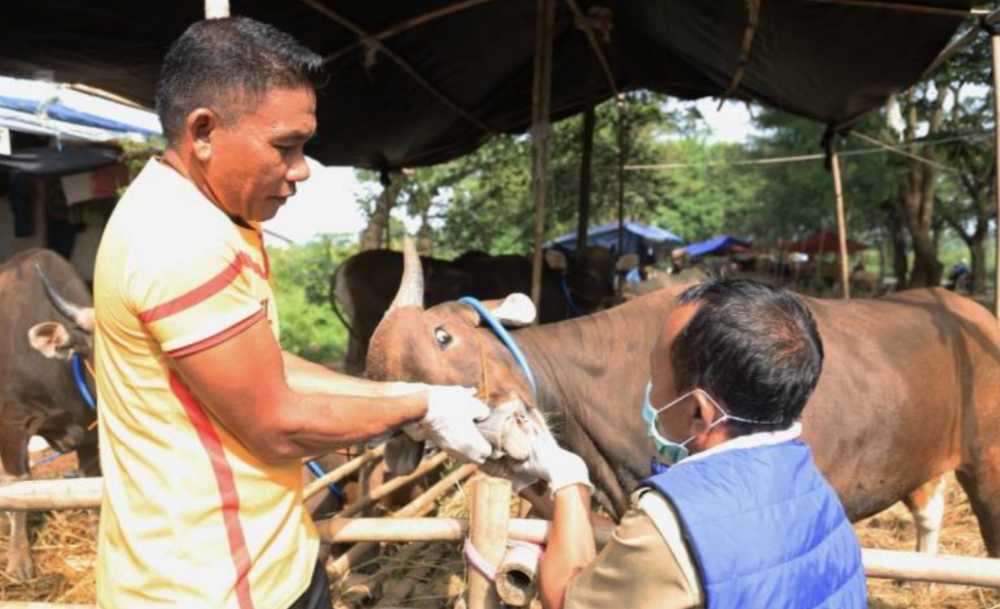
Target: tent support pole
{"points": [[586, 163], [216, 9], [540, 134], [621, 174], [995, 43], [845, 279]]}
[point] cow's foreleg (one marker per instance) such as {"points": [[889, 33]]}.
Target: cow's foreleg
{"points": [[14, 455], [926, 504]]}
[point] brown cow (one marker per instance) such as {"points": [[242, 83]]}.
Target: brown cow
{"points": [[38, 395], [910, 390]]}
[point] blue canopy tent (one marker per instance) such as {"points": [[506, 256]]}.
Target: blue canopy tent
{"points": [[720, 245], [59, 111], [641, 239]]}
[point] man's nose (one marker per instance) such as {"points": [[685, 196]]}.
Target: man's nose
{"points": [[298, 171]]}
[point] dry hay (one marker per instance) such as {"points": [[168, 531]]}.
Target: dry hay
{"points": [[432, 575], [893, 530]]}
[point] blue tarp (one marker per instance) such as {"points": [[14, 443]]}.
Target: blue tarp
{"points": [[638, 237], [62, 112], [719, 244]]}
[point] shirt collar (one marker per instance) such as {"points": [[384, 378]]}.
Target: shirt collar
{"points": [[754, 440]]}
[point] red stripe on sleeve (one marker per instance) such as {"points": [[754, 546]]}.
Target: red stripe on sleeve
{"points": [[227, 487], [219, 338], [203, 292]]}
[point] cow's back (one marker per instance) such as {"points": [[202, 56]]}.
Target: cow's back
{"points": [[905, 373]]}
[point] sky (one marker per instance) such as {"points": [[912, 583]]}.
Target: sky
{"points": [[325, 203]]}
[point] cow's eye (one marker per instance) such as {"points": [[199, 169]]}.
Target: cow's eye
{"points": [[442, 337]]}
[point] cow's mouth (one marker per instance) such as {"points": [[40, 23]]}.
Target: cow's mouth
{"points": [[509, 429]]}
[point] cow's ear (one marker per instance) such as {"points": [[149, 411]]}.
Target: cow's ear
{"points": [[516, 310], [627, 262], [51, 339], [556, 260]]}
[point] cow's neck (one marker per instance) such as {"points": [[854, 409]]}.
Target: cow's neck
{"points": [[591, 373]]}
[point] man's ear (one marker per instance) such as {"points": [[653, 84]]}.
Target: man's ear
{"points": [[51, 339], [200, 124], [704, 412]]}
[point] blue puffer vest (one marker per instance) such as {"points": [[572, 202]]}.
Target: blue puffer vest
{"points": [[766, 530]]}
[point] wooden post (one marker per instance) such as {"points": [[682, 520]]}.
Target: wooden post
{"points": [[586, 162], [995, 43], [216, 9], [621, 173], [489, 513], [845, 278], [540, 134]]}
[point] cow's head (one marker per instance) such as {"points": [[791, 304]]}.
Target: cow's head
{"points": [[446, 345], [55, 340], [590, 275]]}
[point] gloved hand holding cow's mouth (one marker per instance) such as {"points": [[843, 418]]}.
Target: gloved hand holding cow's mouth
{"points": [[544, 460], [450, 422]]}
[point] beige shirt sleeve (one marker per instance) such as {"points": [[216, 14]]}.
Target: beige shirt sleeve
{"points": [[646, 565]]}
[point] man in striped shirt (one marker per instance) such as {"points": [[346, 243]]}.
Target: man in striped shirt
{"points": [[204, 420]]}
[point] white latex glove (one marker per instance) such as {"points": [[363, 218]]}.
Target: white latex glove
{"points": [[549, 462], [450, 423]]}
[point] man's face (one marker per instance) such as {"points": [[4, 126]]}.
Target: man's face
{"points": [[675, 422], [257, 159]]}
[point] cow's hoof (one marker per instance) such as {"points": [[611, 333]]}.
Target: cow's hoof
{"points": [[20, 568]]}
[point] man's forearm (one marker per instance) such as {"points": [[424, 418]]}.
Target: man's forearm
{"points": [[570, 546], [323, 422], [304, 376]]}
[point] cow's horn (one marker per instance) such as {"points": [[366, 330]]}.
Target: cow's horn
{"points": [[411, 286], [81, 316]]}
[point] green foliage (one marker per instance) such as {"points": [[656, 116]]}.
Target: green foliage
{"points": [[300, 279]]}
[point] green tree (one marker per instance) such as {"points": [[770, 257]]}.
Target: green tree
{"points": [[300, 277]]}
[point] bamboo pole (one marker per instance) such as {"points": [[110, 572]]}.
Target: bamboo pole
{"points": [[41, 605], [586, 163], [339, 473], [917, 566], [73, 494], [488, 521], [995, 44], [541, 101], [620, 103], [216, 9], [406, 25], [426, 467], [418, 507], [845, 278]]}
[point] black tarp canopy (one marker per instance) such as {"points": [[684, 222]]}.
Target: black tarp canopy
{"points": [[825, 61]]}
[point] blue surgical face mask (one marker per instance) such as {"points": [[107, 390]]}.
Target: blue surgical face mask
{"points": [[675, 452]]}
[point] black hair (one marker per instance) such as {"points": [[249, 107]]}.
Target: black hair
{"points": [[753, 347], [228, 65]]}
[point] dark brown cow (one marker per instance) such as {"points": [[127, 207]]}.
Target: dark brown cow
{"points": [[38, 395], [365, 284], [910, 390]]}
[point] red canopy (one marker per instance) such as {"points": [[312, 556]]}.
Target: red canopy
{"points": [[822, 242]]}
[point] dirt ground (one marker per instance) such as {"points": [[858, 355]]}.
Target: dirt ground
{"points": [[432, 575]]}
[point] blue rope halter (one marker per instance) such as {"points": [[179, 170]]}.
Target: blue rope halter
{"points": [[317, 470], [573, 308], [81, 383], [504, 337]]}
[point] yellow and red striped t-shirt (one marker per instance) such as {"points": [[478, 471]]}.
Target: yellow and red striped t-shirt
{"points": [[189, 518]]}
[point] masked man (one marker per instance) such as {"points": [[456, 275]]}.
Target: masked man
{"points": [[741, 518]]}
